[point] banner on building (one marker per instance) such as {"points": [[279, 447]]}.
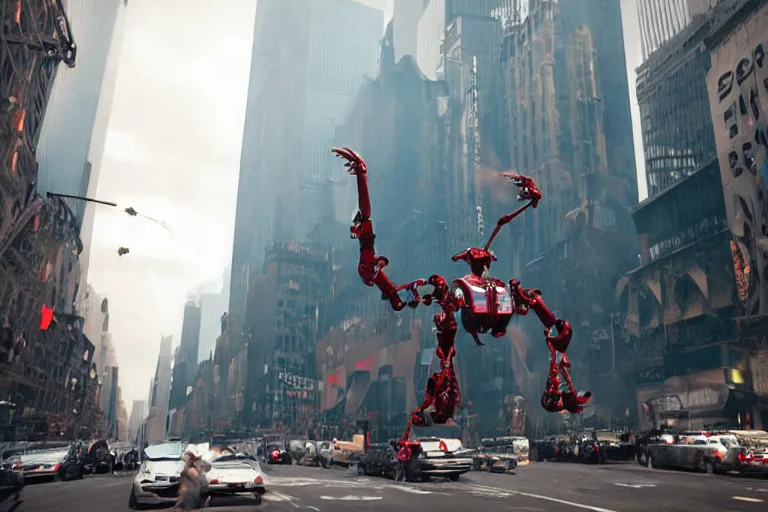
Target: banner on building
{"points": [[738, 90]]}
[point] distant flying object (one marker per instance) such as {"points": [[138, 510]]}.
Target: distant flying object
{"points": [[123, 250]]}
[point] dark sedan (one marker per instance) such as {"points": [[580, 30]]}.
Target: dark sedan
{"points": [[56, 465]]}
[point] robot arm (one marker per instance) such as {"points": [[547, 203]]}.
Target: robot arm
{"points": [[371, 266], [553, 399]]}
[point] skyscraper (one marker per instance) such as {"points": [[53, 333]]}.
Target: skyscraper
{"points": [[212, 306], [99, 137], [185, 364], [307, 66], [137, 417], [161, 389], [65, 139]]}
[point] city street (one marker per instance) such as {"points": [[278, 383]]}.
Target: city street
{"points": [[539, 487]]}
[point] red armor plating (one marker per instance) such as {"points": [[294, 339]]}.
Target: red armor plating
{"points": [[486, 304]]}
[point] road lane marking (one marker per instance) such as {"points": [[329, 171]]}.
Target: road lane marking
{"points": [[351, 498], [405, 488], [502, 493], [310, 507], [748, 500], [634, 486]]}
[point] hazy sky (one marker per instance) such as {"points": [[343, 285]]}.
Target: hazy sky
{"points": [[173, 153]]}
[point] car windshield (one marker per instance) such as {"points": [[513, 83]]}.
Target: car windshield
{"points": [[436, 431], [164, 451], [51, 456], [230, 457]]}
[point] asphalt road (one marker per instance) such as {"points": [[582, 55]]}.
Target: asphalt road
{"points": [[539, 487]]}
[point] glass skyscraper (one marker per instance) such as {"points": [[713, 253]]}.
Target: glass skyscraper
{"points": [[310, 57], [67, 131]]}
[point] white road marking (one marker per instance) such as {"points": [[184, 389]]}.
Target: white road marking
{"points": [[405, 488], [749, 500], [634, 486], [304, 482], [351, 498], [313, 508], [278, 496], [502, 493]]}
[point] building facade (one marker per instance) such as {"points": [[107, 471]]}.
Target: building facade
{"points": [[46, 359], [738, 93], [284, 309], [678, 136], [680, 347]]}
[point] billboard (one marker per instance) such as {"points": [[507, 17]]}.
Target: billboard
{"points": [[738, 91]]}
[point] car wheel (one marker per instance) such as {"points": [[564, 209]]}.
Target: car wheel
{"points": [[132, 503], [454, 478], [710, 467], [257, 498], [59, 476]]}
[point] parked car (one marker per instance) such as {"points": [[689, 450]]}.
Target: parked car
{"points": [[437, 451], [379, 460], [56, 465], [556, 448], [343, 452], [501, 454], [11, 483], [236, 474], [277, 454], [695, 451]]}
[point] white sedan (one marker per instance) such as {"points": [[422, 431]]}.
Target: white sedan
{"points": [[235, 474]]}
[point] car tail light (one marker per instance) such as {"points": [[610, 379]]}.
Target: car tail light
{"points": [[742, 457], [56, 466], [443, 446], [275, 455], [259, 480], [214, 481]]}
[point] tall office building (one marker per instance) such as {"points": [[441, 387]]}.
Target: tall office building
{"points": [[185, 362], [212, 307], [65, 139], [99, 135], [161, 390], [307, 66], [136, 418]]}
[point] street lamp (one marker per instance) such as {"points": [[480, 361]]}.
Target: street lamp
{"points": [[129, 210]]}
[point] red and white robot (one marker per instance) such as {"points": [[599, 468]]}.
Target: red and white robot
{"points": [[486, 304]]}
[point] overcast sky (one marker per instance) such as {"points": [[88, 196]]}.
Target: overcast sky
{"points": [[173, 153]]}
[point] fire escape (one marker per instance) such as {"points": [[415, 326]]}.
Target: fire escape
{"points": [[34, 39]]}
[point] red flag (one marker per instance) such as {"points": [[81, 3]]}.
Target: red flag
{"points": [[46, 317]]}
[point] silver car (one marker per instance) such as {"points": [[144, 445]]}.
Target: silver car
{"points": [[157, 481]]}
